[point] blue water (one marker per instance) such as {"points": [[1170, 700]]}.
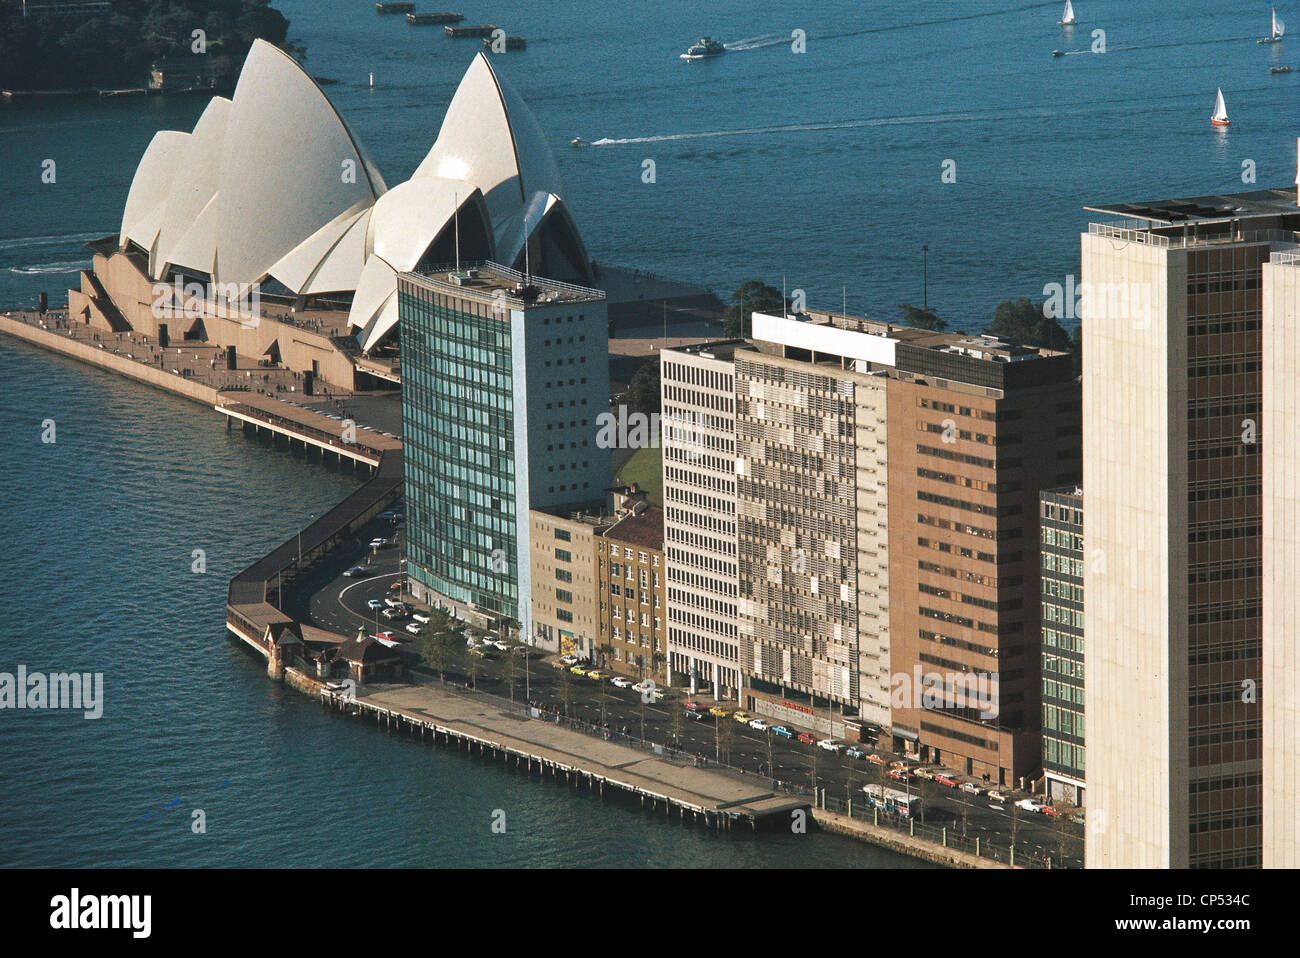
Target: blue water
{"points": [[823, 168]]}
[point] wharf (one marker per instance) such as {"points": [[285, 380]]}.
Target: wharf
{"points": [[490, 728], [476, 30], [422, 19]]}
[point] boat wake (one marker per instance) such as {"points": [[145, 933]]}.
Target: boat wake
{"points": [[43, 268], [27, 242], [755, 43], [848, 124]]}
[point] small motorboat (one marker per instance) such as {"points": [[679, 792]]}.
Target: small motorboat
{"points": [[1058, 53], [578, 141], [1280, 70], [1220, 115], [707, 47]]}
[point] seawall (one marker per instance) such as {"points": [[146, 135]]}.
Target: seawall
{"points": [[103, 359]]}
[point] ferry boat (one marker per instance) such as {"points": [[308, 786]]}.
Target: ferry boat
{"points": [[1220, 115], [707, 47], [1275, 35]]}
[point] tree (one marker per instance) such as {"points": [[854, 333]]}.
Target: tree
{"points": [[605, 650], [675, 723], [1022, 322], [643, 389], [441, 643], [566, 691], [657, 659], [726, 736], [752, 296], [919, 318], [511, 667]]}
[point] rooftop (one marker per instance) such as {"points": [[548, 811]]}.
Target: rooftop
{"points": [[1216, 208], [644, 529], [492, 281]]}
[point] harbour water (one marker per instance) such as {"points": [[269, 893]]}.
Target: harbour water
{"points": [[823, 167]]}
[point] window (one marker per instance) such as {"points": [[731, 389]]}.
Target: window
{"points": [[564, 615], [563, 535], [564, 575], [563, 555]]}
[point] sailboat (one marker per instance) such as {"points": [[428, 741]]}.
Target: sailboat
{"points": [[1278, 29], [1220, 115], [1068, 18]]}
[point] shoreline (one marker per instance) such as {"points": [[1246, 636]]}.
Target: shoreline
{"points": [[409, 719]]}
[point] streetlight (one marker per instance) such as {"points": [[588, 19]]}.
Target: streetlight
{"points": [[312, 516]]}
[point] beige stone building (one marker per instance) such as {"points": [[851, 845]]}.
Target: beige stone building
{"points": [[562, 617], [1188, 395]]}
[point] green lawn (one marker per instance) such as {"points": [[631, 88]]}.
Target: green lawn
{"points": [[645, 468]]}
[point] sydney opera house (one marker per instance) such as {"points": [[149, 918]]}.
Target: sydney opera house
{"points": [[272, 192]]}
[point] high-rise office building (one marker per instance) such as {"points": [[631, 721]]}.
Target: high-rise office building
{"points": [[698, 439], [1281, 560], [503, 378], [1061, 542], [1176, 572], [888, 483]]}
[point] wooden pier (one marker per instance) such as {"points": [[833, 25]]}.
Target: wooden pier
{"points": [[493, 730], [306, 427]]}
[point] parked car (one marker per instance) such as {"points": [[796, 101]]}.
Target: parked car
{"points": [[694, 707], [855, 751], [374, 605], [421, 617], [1029, 805], [697, 714], [741, 717], [1051, 810], [947, 781], [997, 795], [621, 682], [578, 669], [926, 773], [471, 642], [644, 686], [386, 634], [759, 725], [415, 628], [392, 601], [1077, 818], [831, 745], [876, 758], [388, 513], [900, 775], [782, 731], [569, 659], [379, 543], [974, 788], [597, 674], [522, 651], [719, 711], [808, 738], [392, 614]]}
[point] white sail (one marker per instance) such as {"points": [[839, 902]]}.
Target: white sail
{"points": [[1068, 15], [1278, 26], [1220, 110]]}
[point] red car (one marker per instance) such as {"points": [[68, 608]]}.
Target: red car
{"points": [[876, 758], [807, 738], [1051, 810], [900, 775], [947, 780]]}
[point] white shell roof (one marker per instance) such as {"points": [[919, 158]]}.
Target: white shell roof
{"points": [[285, 173], [272, 183], [490, 138]]}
